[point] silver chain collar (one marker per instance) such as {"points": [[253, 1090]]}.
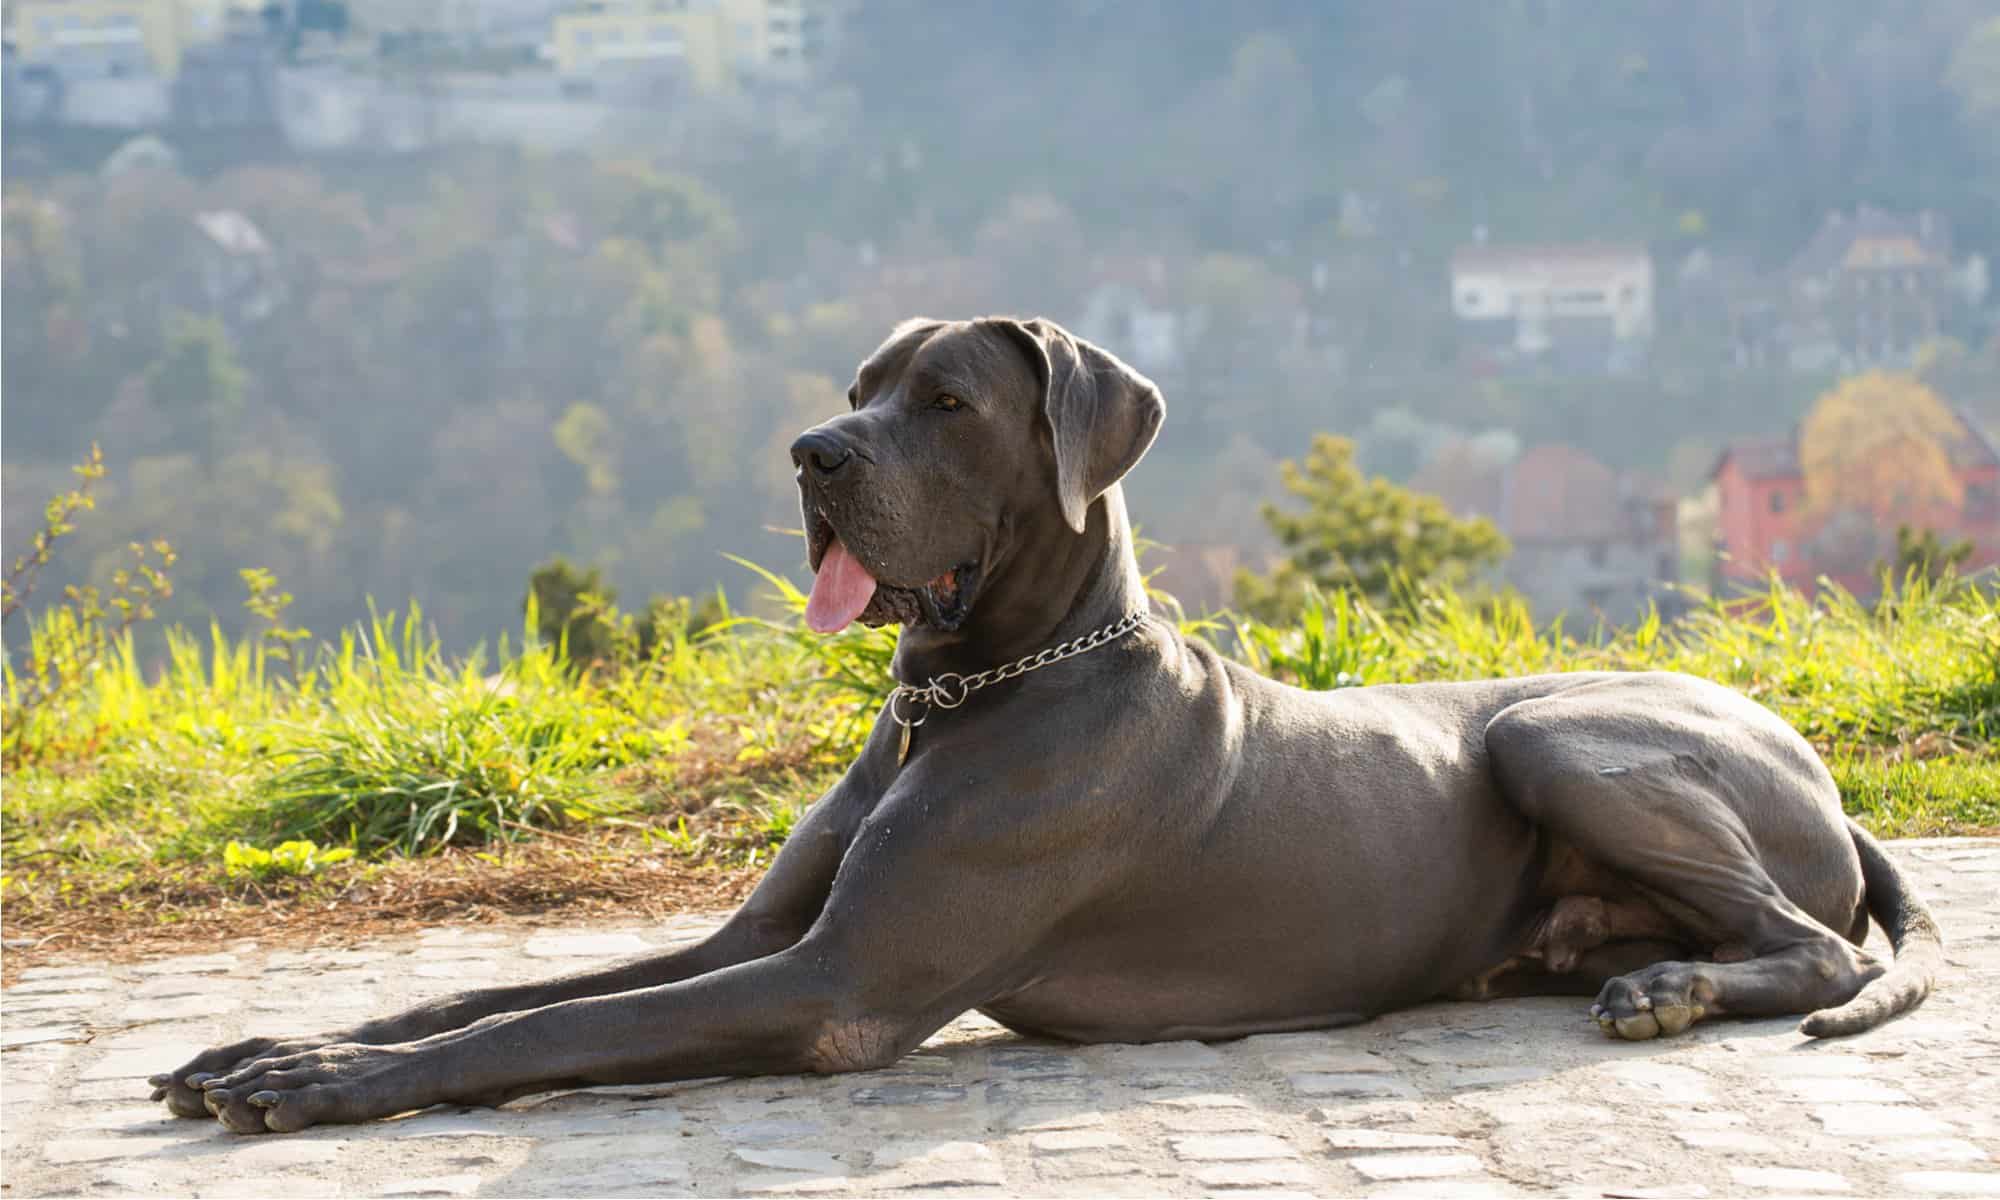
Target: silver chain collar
{"points": [[951, 689]]}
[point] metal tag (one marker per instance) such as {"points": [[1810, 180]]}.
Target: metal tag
{"points": [[903, 750]]}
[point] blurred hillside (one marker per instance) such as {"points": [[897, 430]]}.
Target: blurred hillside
{"points": [[557, 308]]}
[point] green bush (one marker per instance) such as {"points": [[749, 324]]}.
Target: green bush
{"points": [[1362, 534]]}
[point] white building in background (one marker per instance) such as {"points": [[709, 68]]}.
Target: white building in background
{"points": [[460, 22], [1583, 306], [83, 39], [715, 44], [232, 271]]}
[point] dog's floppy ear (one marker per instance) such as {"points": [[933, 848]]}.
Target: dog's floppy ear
{"points": [[1102, 414]]}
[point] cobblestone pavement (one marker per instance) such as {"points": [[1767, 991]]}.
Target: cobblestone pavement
{"points": [[1517, 1097]]}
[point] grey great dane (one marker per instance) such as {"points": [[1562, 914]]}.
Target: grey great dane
{"points": [[1087, 827]]}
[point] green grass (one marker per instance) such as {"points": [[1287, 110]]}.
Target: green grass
{"points": [[1916, 673], [1921, 798], [381, 744]]}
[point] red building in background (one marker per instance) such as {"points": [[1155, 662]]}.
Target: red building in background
{"points": [[1764, 525]]}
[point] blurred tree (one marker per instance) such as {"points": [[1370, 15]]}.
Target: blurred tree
{"points": [[1878, 445], [303, 219], [633, 200], [252, 506], [830, 338], [1362, 533], [47, 336], [198, 381], [1038, 252], [802, 402], [585, 436], [713, 416], [1242, 318], [1974, 75], [445, 305], [1249, 125], [1925, 555], [44, 268], [574, 608]]}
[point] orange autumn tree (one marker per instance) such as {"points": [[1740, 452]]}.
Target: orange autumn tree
{"points": [[1879, 444]]}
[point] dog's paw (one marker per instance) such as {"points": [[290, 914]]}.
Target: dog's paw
{"points": [[284, 1093], [1662, 1000], [181, 1088]]}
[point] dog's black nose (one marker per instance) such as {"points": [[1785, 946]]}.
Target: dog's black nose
{"points": [[822, 450]]}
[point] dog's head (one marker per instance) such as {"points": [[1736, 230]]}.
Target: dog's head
{"points": [[964, 439]]}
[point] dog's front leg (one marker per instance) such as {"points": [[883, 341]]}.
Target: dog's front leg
{"points": [[786, 903], [183, 1088], [929, 914], [786, 1013]]}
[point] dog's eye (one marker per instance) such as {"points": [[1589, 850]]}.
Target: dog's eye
{"points": [[948, 402]]}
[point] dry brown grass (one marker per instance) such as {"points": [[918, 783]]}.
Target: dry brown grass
{"points": [[591, 872], [548, 881]]}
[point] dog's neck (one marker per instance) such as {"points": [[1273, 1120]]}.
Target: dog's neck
{"points": [[1051, 585]]}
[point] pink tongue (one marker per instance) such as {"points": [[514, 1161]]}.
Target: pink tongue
{"points": [[841, 590]]}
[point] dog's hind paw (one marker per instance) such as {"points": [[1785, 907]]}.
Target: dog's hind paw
{"points": [[1662, 1000]]}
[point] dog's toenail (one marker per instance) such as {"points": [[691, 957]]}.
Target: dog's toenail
{"points": [[264, 1099]]}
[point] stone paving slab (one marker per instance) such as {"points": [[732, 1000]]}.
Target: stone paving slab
{"points": [[1502, 1099]]}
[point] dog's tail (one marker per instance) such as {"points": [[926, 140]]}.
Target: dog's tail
{"points": [[1912, 930]]}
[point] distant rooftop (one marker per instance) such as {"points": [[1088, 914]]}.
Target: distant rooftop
{"points": [[1778, 457], [1762, 458], [232, 231], [1922, 239], [1530, 256]]}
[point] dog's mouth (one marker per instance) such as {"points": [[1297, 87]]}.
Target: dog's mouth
{"points": [[845, 591]]}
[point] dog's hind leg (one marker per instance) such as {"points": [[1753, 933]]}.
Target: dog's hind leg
{"points": [[1666, 784], [1582, 974]]}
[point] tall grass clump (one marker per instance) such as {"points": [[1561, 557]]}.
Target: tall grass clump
{"points": [[400, 749]]}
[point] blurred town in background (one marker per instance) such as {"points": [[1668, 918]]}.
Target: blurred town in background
{"points": [[403, 297]]}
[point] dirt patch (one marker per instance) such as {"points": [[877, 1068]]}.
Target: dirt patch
{"points": [[541, 882]]}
